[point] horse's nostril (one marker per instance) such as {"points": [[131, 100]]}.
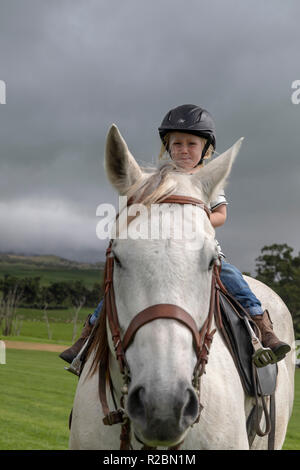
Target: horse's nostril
{"points": [[191, 409], [135, 404]]}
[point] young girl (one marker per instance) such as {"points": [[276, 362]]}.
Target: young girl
{"points": [[188, 136]]}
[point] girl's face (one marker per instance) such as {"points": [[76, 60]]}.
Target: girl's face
{"points": [[185, 149]]}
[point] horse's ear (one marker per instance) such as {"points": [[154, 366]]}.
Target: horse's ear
{"points": [[213, 177], [121, 168]]}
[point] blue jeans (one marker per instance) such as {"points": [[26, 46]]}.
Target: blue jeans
{"points": [[236, 285], [234, 282], [96, 313]]}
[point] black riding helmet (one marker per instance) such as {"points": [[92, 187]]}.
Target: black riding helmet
{"points": [[193, 120]]}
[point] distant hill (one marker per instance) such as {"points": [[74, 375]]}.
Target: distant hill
{"points": [[50, 268], [47, 260]]}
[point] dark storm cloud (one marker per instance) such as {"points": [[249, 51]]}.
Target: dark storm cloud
{"points": [[72, 68]]}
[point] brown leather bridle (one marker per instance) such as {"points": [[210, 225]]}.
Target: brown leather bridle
{"points": [[201, 339]]}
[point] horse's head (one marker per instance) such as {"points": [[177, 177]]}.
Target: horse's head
{"points": [[160, 269]]}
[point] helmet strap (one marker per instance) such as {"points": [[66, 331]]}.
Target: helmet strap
{"points": [[205, 148]]}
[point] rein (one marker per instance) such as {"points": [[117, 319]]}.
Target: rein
{"points": [[201, 339]]}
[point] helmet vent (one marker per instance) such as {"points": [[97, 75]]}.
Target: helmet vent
{"points": [[199, 117]]}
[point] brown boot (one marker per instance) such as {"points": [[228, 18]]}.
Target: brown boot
{"points": [[69, 354], [268, 337]]}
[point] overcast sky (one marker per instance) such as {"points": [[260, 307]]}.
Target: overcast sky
{"points": [[71, 68]]}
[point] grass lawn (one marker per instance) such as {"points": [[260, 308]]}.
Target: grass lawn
{"points": [[36, 396], [63, 315], [34, 329], [36, 332], [61, 332], [292, 440]]}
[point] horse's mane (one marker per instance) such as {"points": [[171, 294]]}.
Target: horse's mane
{"points": [[159, 184], [147, 190], [99, 342]]}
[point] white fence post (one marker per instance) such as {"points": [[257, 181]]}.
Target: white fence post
{"points": [[2, 353]]}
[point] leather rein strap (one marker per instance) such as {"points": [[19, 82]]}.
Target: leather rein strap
{"points": [[201, 339]]}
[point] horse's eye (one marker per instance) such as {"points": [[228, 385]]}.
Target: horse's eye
{"points": [[212, 262], [117, 261]]}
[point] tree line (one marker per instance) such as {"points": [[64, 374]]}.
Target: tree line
{"points": [[27, 292], [56, 295]]}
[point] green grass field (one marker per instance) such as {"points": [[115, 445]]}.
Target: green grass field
{"points": [[47, 275], [34, 329], [36, 397], [292, 441], [37, 331]]}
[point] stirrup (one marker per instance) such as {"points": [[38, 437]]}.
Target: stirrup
{"points": [[262, 356], [75, 366]]}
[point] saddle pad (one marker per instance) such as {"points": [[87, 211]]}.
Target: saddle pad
{"points": [[242, 348]]}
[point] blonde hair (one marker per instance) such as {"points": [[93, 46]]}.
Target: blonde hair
{"points": [[165, 155]]}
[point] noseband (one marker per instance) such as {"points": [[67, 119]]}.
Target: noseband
{"points": [[201, 339]]}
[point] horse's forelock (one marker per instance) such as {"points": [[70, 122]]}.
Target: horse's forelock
{"points": [[158, 184]]}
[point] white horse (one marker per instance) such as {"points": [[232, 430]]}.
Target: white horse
{"points": [[162, 404]]}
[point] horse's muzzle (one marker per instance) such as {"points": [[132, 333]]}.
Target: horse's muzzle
{"points": [[160, 417]]}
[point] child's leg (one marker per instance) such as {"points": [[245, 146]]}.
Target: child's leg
{"points": [[69, 354], [96, 313], [236, 285]]}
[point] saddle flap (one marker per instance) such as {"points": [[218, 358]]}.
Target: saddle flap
{"points": [[241, 348]]}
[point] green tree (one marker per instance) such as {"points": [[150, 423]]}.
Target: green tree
{"points": [[59, 291], [280, 270], [77, 291], [31, 288], [94, 295]]}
